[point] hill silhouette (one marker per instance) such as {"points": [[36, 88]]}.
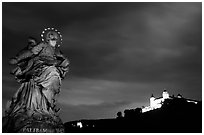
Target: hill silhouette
{"points": [[176, 115]]}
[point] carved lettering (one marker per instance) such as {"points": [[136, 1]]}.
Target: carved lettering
{"points": [[35, 130], [44, 130], [60, 130]]}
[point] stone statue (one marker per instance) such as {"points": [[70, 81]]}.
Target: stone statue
{"points": [[40, 67]]}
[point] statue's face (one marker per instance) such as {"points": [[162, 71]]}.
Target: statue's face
{"points": [[53, 42]]}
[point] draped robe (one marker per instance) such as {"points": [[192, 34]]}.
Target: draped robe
{"points": [[46, 67]]}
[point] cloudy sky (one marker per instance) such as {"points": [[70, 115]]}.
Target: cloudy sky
{"points": [[120, 53]]}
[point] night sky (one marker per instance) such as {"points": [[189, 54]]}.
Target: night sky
{"points": [[120, 53]]}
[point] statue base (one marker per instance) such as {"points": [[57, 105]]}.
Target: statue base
{"points": [[38, 123]]}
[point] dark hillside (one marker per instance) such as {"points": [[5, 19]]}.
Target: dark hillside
{"points": [[175, 116]]}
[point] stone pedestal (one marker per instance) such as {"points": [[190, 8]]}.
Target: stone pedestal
{"points": [[38, 123]]}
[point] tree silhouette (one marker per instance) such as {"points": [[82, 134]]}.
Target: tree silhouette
{"points": [[119, 115]]}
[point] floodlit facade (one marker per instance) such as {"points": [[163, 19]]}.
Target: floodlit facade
{"points": [[156, 102], [79, 124]]}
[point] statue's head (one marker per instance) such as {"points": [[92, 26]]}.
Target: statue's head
{"points": [[52, 36]]}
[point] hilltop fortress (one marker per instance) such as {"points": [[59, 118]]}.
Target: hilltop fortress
{"points": [[160, 114], [157, 102]]}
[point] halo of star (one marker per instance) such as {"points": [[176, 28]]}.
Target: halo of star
{"points": [[47, 30]]}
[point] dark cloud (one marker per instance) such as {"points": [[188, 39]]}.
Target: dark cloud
{"points": [[129, 47]]}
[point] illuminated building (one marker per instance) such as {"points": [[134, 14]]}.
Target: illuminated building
{"points": [[156, 103]]}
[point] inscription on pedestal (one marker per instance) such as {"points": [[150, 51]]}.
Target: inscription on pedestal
{"points": [[60, 130], [41, 130], [35, 130]]}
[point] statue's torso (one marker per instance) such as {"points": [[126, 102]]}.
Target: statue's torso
{"points": [[47, 51]]}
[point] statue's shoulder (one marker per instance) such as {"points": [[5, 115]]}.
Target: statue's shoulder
{"points": [[42, 44]]}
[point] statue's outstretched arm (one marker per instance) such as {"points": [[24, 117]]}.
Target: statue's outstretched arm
{"points": [[26, 53], [22, 55]]}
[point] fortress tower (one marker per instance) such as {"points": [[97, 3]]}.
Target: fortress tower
{"points": [[157, 102], [165, 94], [152, 99]]}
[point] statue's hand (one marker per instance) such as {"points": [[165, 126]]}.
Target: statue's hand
{"points": [[13, 61], [17, 71], [63, 63]]}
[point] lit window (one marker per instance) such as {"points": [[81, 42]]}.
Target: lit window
{"points": [[79, 124]]}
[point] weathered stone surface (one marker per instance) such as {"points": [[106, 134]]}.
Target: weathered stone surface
{"points": [[34, 124], [40, 69]]}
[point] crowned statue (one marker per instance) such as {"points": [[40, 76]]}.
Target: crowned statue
{"points": [[39, 68]]}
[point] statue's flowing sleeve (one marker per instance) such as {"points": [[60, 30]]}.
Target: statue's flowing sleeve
{"points": [[21, 56], [63, 63], [26, 53]]}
